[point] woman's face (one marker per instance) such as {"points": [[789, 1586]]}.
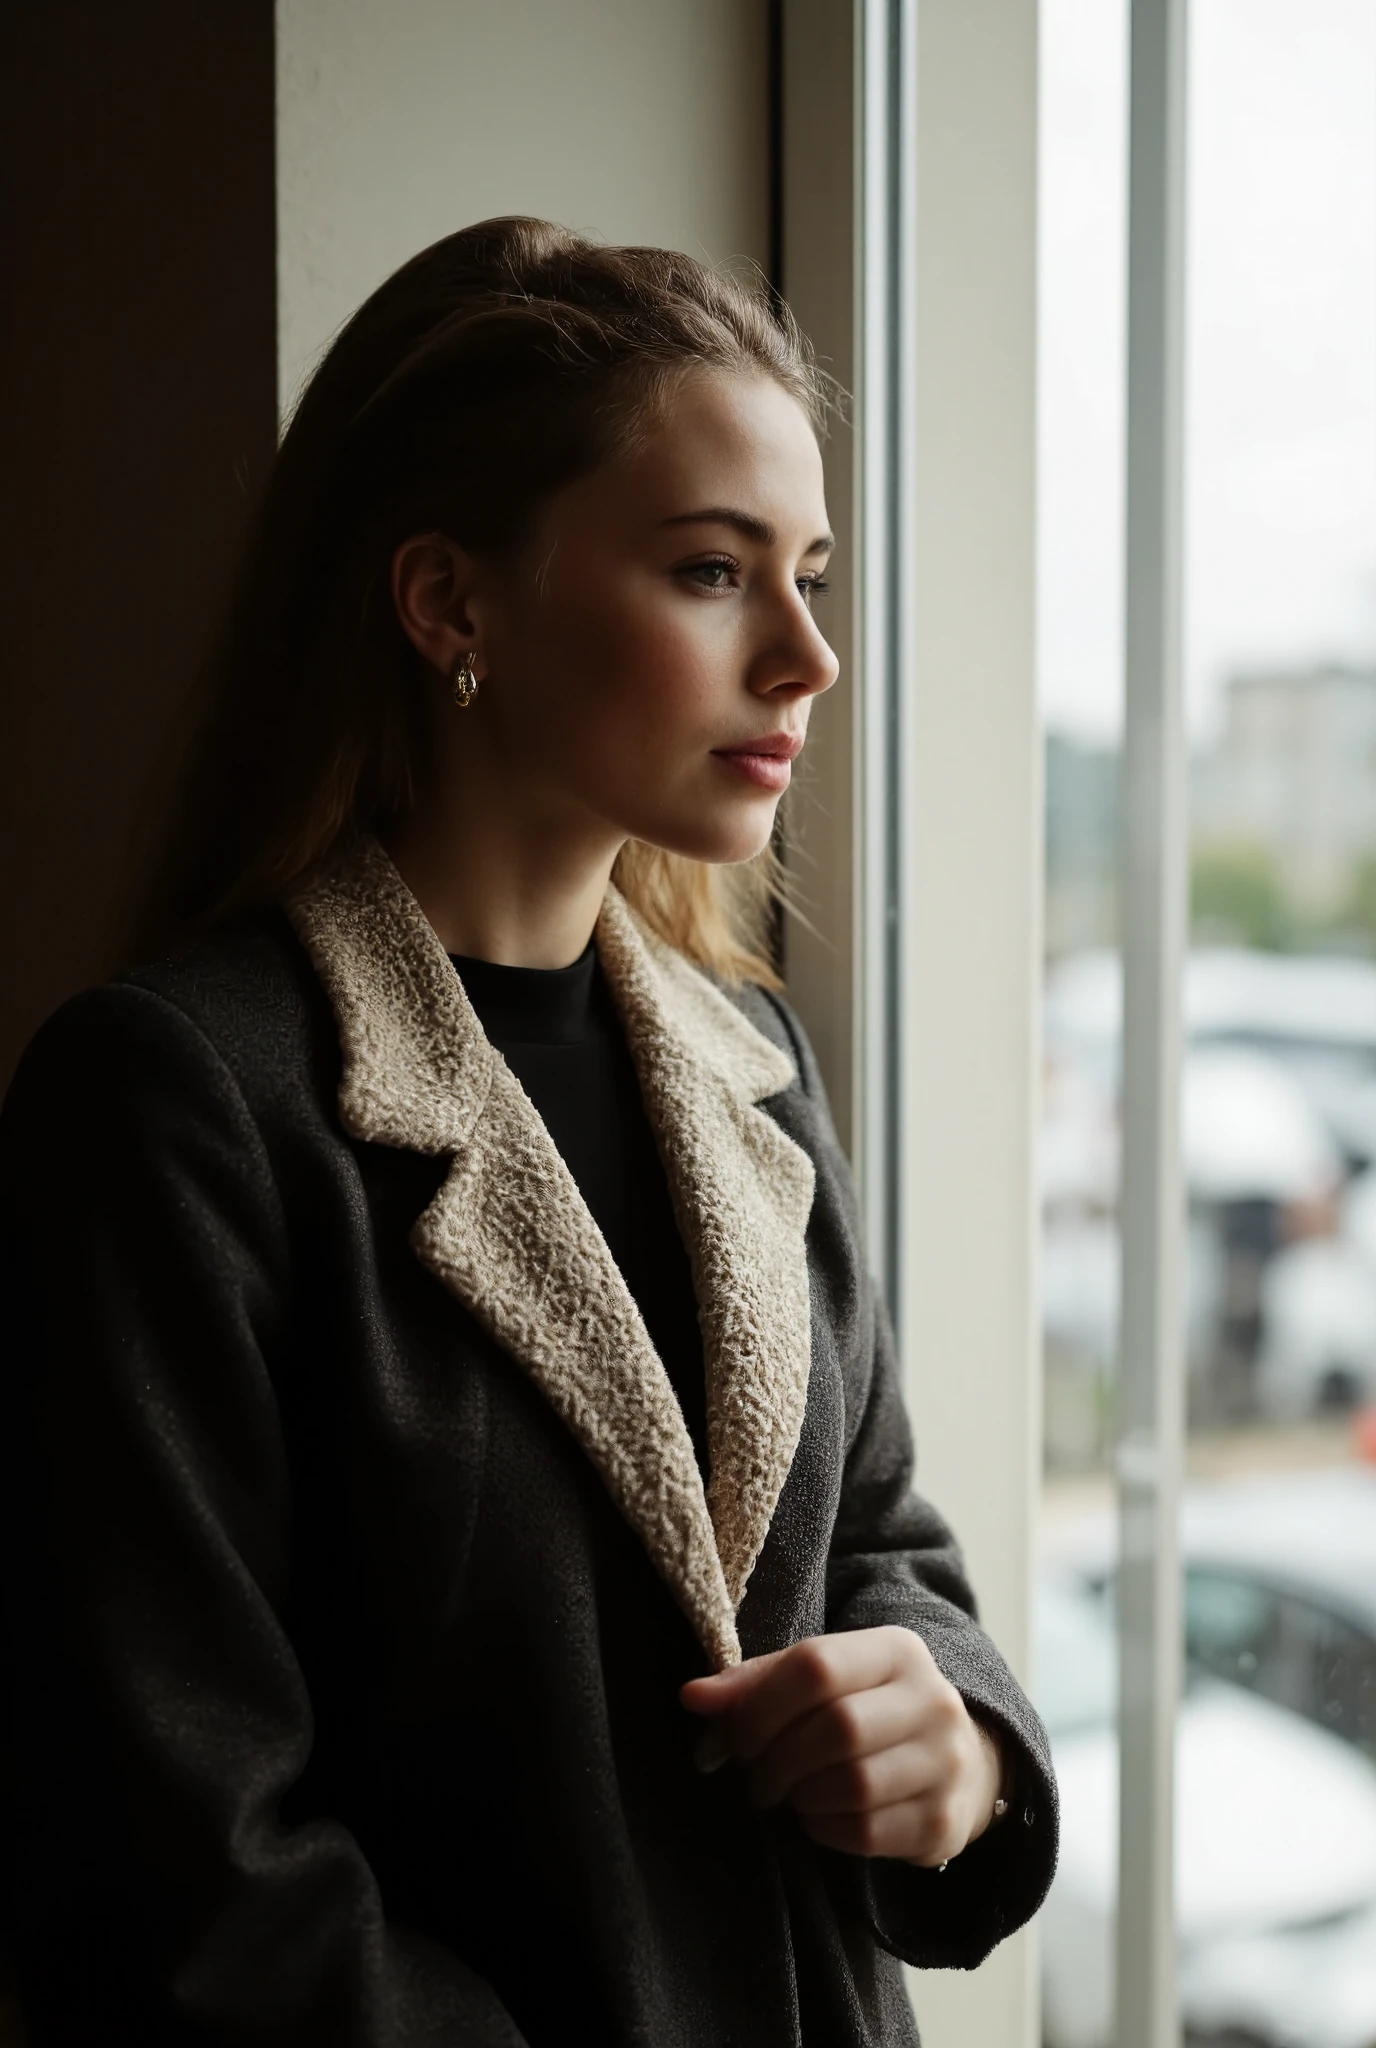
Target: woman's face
{"points": [[648, 666]]}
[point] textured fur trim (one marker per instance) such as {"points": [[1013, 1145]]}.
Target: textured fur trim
{"points": [[742, 1193], [510, 1234]]}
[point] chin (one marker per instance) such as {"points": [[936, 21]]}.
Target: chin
{"points": [[720, 843]]}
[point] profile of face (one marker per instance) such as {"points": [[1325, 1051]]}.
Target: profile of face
{"points": [[647, 665]]}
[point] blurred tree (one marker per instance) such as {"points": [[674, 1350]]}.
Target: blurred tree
{"points": [[1237, 897], [1359, 914]]}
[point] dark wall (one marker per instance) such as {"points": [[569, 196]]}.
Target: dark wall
{"points": [[137, 416]]}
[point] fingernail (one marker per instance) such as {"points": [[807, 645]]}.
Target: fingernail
{"points": [[710, 1751]]}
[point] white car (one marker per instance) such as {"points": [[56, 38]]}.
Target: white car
{"points": [[1280, 1588], [1318, 1325], [1276, 1835], [1319, 1314], [1280, 1591]]}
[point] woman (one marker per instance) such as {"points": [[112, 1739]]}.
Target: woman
{"points": [[464, 1585]]}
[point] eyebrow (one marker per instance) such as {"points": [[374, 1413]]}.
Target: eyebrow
{"points": [[746, 522]]}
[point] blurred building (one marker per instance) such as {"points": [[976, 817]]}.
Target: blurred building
{"points": [[1293, 777]]}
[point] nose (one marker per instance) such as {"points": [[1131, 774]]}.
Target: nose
{"points": [[801, 662]]}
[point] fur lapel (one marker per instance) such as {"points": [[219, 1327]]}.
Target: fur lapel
{"points": [[742, 1192], [510, 1234]]}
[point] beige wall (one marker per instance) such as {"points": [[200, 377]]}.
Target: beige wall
{"points": [[634, 120]]}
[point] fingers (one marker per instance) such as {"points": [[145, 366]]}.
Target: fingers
{"points": [[921, 1831], [844, 1732], [720, 1691], [873, 1747], [863, 1784], [765, 1695]]}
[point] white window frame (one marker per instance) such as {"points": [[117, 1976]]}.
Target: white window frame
{"points": [[1151, 1371], [909, 240], [909, 199]]}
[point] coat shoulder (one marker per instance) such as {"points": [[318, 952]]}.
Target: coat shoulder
{"points": [[766, 1010], [774, 1017], [804, 1109], [249, 988], [241, 1001]]}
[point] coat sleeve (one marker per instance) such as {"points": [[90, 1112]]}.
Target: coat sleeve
{"points": [[894, 1560], [155, 1714]]}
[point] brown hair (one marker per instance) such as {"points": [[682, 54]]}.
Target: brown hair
{"points": [[493, 368]]}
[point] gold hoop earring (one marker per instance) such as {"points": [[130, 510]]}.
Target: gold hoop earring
{"points": [[464, 683]]}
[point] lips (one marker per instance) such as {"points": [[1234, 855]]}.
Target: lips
{"points": [[771, 746], [763, 761]]}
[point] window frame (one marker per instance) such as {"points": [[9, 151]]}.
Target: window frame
{"points": [[908, 182]]}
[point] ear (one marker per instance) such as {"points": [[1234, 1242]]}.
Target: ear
{"points": [[432, 588]]}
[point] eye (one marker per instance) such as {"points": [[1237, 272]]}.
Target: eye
{"points": [[712, 575], [812, 586]]}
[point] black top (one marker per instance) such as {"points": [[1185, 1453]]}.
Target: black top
{"points": [[559, 1032]]}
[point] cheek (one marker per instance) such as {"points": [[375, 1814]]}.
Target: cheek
{"points": [[653, 668]]}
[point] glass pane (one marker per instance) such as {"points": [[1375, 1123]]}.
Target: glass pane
{"points": [[1276, 1814]]}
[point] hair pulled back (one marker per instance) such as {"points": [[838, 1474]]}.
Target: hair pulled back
{"points": [[492, 369]]}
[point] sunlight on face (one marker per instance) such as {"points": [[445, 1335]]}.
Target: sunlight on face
{"points": [[652, 661]]}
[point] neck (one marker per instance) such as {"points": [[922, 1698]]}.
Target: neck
{"points": [[498, 881]]}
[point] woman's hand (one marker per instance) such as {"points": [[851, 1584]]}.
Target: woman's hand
{"points": [[863, 1736]]}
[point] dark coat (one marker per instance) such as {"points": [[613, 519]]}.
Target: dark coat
{"points": [[355, 1544]]}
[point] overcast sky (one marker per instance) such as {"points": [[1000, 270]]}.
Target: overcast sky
{"points": [[1281, 366]]}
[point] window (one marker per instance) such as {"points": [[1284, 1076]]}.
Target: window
{"points": [[1248, 454], [1209, 360]]}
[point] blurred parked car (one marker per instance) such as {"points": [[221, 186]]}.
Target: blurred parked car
{"points": [[1276, 1828], [1315, 1014], [1280, 1588], [1278, 1107], [1249, 1131], [1319, 1316], [1303, 1987], [1280, 1592], [1253, 1124], [1317, 1347]]}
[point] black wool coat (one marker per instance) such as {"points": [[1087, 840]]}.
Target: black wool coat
{"points": [[355, 1547]]}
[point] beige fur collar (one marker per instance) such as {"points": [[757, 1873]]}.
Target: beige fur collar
{"points": [[510, 1234]]}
